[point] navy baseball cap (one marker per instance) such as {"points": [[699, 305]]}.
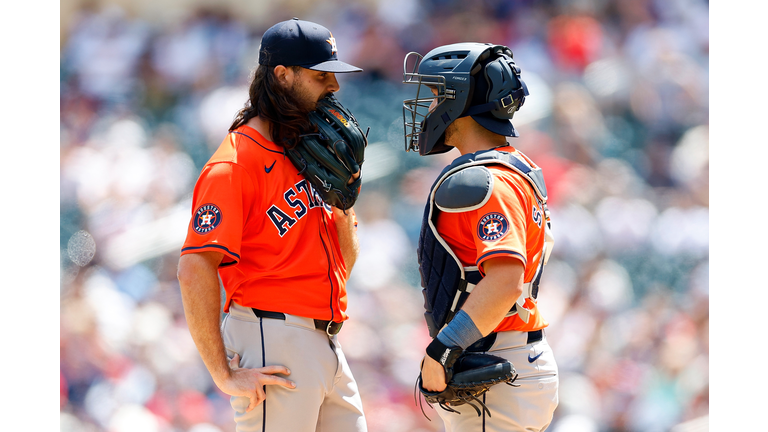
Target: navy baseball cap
{"points": [[301, 43]]}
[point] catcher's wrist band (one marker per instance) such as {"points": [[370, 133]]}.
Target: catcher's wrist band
{"points": [[443, 354], [461, 331]]}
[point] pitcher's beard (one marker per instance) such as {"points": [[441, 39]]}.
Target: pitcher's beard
{"points": [[304, 101]]}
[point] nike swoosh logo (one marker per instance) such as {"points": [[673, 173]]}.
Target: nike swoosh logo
{"points": [[533, 359], [267, 170]]}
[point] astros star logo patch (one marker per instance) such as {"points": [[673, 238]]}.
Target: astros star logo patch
{"points": [[207, 218], [492, 227]]}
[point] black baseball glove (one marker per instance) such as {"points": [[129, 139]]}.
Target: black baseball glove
{"points": [[329, 158], [468, 375]]}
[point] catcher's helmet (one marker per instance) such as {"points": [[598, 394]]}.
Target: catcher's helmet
{"points": [[476, 79]]}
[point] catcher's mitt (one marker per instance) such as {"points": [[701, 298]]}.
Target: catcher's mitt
{"points": [[471, 375], [329, 158]]}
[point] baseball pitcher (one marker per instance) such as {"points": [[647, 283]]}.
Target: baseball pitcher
{"points": [[273, 219]]}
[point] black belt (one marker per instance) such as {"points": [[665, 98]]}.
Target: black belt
{"points": [[330, 327], [486, 343], [535, 336]]}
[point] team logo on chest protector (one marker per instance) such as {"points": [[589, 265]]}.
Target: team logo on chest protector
{"points": [[207, 217], [492, 227]]}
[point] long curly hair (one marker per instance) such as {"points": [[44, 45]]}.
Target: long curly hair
{"points": [[271, 101]]}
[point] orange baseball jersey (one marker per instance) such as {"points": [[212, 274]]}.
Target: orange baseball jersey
{"points": [[278, 237], [510, 224]]}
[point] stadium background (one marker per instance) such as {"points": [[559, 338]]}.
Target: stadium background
{"points": [[618, 118]]}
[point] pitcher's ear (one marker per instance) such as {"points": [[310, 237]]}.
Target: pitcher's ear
{"points": [[283, 76]]}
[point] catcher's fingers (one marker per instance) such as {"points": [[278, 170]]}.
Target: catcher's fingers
{"points": [[432, 375]]}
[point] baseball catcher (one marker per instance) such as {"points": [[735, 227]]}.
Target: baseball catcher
{"points": [[330, 158], [484, 241]]}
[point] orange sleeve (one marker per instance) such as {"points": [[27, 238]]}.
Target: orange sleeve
{"points": [[222, 197], [500, 224]]}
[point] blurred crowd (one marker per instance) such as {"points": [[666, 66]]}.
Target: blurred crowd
{"points": [[617, 118]]}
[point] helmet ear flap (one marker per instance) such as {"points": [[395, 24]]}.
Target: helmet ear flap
{"points": [[501, 80]]}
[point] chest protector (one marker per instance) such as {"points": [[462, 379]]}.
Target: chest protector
{"points": [[466, 185]]}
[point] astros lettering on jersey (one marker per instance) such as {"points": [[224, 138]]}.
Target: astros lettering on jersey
{"points": [[274, 251]]}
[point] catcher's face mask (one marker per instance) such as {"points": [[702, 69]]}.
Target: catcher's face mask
{"points": [[426, 116], [430, 94], [468, 79]]}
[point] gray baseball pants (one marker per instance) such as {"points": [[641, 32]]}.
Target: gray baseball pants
{"points": [[528, 408], [326, 397]]}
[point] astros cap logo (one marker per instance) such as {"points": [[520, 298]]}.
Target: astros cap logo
{"points": [[492, 227], [207, 218], [332, 41]]}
